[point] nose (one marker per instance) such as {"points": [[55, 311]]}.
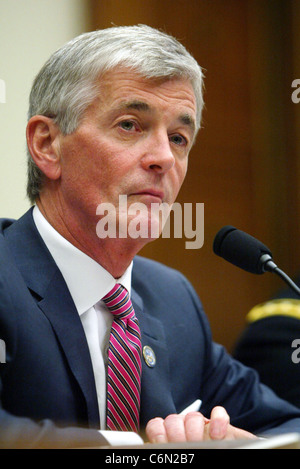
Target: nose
{"points": [[158, 155]]}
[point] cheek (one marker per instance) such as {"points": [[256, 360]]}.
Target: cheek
{"points": [[181, 170], [184, 169], [81, 159]]}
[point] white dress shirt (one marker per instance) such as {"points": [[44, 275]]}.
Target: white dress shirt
{"points": [[87, 282]]}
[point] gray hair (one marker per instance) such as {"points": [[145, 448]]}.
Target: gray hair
{"points": [[68, 83]]}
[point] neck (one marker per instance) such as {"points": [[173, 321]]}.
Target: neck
{"points": [[114, 255]]}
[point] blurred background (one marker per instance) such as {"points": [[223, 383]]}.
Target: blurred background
{"points": [[245, 166]]}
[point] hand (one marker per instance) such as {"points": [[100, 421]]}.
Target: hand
{"points": [[194, 427]]}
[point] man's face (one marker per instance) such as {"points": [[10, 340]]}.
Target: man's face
{"points": [[133, 141]]}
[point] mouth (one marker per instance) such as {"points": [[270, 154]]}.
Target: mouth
{"points": [[156, 195]]}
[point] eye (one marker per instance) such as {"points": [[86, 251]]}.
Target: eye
{"points": [[128, 125], [178, 140]]}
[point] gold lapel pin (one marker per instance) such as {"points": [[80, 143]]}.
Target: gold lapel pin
{"points": [[149, 356]]}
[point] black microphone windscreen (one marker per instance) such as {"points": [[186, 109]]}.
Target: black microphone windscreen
{"points": [[240, 249]]}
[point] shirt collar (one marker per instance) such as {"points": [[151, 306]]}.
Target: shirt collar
{"points": [[87, 280]]}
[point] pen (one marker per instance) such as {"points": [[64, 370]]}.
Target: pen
{"points": [[194, 407]]}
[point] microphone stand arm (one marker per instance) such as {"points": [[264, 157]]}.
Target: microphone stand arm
{"points": [[268, 265]]}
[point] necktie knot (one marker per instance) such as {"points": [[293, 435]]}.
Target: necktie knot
{"points": [[119, 303]]}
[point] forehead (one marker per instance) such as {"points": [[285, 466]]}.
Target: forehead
{"points": [[124, 88]]}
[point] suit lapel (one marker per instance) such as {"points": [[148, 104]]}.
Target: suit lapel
{"points": [[156, 398], [44, 279], [59, 308]]}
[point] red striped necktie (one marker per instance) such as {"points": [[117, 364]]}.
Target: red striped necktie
{"points": [[124, 363]]}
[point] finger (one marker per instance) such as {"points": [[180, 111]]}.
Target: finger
{"points": [[174, 425], [219, 423], [194, 423], [155, 431]]}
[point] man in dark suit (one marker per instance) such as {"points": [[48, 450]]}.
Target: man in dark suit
{"points": [[113, 113]]}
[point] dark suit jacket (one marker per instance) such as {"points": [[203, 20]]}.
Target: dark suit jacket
{"points": [[47, 388]]}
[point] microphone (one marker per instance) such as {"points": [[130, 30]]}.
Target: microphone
{"points": [[248, 253]]}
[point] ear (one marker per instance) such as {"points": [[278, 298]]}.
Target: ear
{"points": [[42, 136]]}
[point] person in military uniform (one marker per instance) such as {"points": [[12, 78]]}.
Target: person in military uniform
{"points": [[270, 344]]}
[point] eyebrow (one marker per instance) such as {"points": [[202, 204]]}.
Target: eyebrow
{"points": [[186, 119], [136, 104]]}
